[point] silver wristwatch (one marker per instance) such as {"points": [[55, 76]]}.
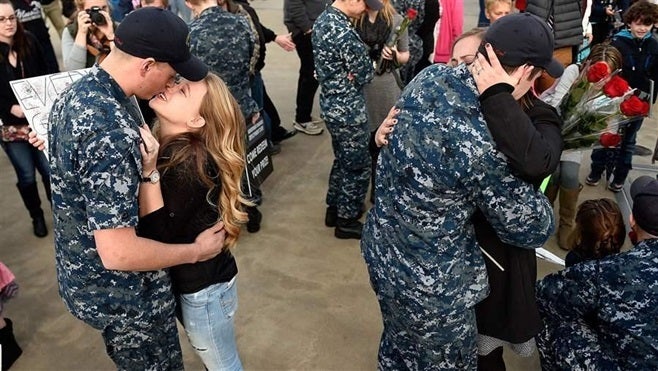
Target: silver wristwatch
{"points": [[153, 178]]}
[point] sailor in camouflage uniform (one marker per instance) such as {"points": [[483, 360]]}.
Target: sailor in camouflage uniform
{"points": [[108, 277], [603, 314], [225, 42], [343, 67], [425, 266]]}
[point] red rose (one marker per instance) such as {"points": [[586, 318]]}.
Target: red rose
{"points": [[616, 87], [412, 13], [597, 72], [610, 139], [634, 106]]}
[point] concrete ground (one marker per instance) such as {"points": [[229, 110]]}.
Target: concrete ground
{"points": [[305, 300]]}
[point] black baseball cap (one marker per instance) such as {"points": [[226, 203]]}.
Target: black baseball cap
{"points": [[644, 192], [374, 4], [523, 38], [159, 34]]}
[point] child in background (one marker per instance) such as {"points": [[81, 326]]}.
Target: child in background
{"points": [[495, 9], [10, 348], [639, 67], [599, 231], [565, 181]]}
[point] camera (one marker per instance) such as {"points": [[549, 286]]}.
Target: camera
{"points": [[96, 16]]}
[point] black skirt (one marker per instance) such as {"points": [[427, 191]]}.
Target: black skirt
{"points": [[510, 311]]}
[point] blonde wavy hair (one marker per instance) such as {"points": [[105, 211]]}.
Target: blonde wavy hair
{"points": [[223, 139], [386, 12]]}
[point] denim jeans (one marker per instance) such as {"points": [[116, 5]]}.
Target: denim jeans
{"points": [[208, 320], [258, 94], [617, 161], [25, 159]]}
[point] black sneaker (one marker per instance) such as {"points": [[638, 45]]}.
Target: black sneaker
{"points": [[615, 187], [280, 135], [592, 180]]}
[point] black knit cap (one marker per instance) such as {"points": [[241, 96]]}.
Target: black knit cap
{"points": [[644, 192], [159, 34], [523, 38]]}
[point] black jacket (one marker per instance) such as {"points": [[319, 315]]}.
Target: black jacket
{"points": [[532, 142], [567, 18], [299, 15], [33, 65], [639, 60], [187, 213]]}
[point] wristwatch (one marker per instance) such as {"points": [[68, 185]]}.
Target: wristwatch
{"points": [[153, 178]]}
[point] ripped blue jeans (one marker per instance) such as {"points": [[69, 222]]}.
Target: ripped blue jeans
{"points": [[208, 318]]}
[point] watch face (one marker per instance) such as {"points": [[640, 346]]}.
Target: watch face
{"points": [[155, 176]]}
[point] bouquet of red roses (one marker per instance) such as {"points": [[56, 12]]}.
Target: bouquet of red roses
{"points": [[385, 65], [596, 107]]}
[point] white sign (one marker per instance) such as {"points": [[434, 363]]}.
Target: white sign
{"points": [[36, 95]]}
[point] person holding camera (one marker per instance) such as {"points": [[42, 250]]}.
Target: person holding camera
{"points": [[90, 37]]}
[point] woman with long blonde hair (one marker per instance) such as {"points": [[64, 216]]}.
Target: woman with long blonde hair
{"points": [[376, 27], [189, 184]]}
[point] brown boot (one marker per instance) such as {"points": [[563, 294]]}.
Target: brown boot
{"points": [[568, 203]]}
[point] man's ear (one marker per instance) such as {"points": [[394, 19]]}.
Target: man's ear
{"points": [[146, 65]]}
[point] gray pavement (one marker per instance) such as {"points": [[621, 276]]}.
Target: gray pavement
{"points": [[305, 298]]}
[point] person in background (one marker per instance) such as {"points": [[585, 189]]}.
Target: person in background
{"points": [[602, 18], [375, 28], [639, 68], [108, 276], [201, 159], [30, 16], [85, 42], [162, 4], [601, 314], [426, 32], [53, 10], [408, 70], [483, 21], [343, 69], [181, 9], [565, 181], [495, 9], [565, 18], [449, 27], [299, 17], [120, 8], [21, 57], [229, 56], [439, 166], [599, 231], [263, 35], [11, 351]]}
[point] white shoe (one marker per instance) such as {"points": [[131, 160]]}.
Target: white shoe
{"points": [[310, 127]]}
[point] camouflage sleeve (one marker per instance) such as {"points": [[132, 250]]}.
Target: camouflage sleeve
{"points": [[520, 215], [110, 175], [569, 294], [356, 59]]}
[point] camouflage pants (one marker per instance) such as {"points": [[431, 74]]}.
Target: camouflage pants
{"points": [[350, 172], [144, 345], [565, 344], [416, 338]]}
